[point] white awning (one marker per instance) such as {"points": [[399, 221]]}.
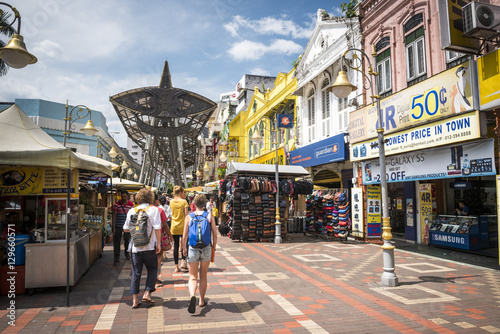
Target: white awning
{"points": [[260, 169]]}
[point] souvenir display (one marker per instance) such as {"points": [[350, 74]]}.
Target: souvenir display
{"points": [[328, 213]]}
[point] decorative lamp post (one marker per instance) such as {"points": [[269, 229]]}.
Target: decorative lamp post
{"points": [[15, 54], [88, 129], [257, 139], [342, 87]]}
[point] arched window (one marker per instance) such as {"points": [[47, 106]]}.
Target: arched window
{"points": [[325, 107], [261, 132], [383, 66], [416, 70], [311, 114]]}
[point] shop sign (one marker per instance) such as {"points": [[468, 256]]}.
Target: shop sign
{"points": [[463, 160], [34, 181], [488, 73], [451, 27], [357, 212], [373, 212], [269, 158], [285, 120], [456, 129], [445, 239], [425, 212], [441, 96], [322, 152]]}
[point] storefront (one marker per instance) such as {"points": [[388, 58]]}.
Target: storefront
{"points": [[44, 212], [437, 154]]}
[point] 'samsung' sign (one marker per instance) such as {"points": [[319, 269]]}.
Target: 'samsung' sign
{"points": [[448, 238]]}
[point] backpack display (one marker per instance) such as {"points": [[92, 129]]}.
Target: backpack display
{"points": [[139, 228], [199, 231]]}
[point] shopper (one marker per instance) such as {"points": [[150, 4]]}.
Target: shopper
{"points": [[211, 205], [165, 204], [166, 236], [146, 254], [180, 209], [201, 231], [120, 210]]}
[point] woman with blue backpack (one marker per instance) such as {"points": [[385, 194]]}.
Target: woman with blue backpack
{"points": [[200, 231]]}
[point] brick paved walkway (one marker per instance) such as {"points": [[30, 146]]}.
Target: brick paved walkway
{"points": [[306, 285]]}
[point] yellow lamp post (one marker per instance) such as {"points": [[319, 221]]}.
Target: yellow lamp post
{"points": [[82, 112], [342, 87]]}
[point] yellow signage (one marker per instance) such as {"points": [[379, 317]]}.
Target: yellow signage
{"points": [[451, 27], [269, 158], [488, 73], [451, 130], [441, 96], [35, 181]]}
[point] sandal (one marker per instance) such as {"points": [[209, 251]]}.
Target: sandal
{"points": [[205, 303], [137, 306], [192, 305], [148, 301]]}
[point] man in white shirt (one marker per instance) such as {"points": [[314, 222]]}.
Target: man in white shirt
{"points": [[145, 255]]}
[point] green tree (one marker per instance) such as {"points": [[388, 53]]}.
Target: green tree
{"points": [[7, 31], [349, 9]]}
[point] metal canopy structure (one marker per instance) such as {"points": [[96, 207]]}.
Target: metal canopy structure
{"points": [[165, 122]]}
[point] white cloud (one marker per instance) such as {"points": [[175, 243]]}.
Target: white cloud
{"points": [[49, 48], [338, 11], [249, 50], [270, 26], [259, 71]]}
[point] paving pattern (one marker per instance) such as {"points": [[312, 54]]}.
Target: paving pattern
{"points": [[306, 285]]}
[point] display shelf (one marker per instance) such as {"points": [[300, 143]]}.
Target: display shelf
{"points": [[456, 231], [55, 219]]}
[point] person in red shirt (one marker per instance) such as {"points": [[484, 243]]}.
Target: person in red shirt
{"points": [[165, 232], [120, 210]]}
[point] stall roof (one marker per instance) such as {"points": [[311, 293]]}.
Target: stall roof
{"points": [[241, 167], [127, 184], [25, 144]]}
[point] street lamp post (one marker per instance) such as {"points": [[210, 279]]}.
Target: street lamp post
{"points": [[342, 88], [15, 53], [257, 139], [88, 129]]}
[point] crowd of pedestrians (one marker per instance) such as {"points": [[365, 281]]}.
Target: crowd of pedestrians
{"points": [[152, 225]]}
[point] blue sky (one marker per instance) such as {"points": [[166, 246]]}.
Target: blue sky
{"points": [[90, 50]]}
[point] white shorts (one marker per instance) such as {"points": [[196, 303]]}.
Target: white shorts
{"points": [[199, 254]]}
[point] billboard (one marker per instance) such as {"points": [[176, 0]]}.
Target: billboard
{"points": [[451, 27], [441, 96]]}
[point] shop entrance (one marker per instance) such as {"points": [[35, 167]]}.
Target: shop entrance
{"points": [[328, 179], [396, 209]]}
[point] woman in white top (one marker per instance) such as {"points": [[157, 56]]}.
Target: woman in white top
{"points": [[145, 255]]}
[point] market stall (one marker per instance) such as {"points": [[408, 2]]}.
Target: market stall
{"points": [[249, 194], [34, 174]]}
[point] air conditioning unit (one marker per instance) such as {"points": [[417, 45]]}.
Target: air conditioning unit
{"points": [[216, 127], [481, 20]]}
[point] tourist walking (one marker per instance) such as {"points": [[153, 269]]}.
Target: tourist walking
{"points": [[144, 223], [180, 209], [120, 210], [201, 232]]}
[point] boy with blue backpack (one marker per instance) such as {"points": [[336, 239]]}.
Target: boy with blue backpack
{"points": [[200, 232]]}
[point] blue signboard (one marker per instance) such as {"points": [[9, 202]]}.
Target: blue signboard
{"points": [[463, 241], [285, 120], [322, 152]]}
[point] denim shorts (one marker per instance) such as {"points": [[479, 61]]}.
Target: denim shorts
{"points": [[199, 254]]}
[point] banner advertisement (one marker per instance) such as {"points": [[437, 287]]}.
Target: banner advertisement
{"points": [[268, 158], [373, 212], [463, 160], [34, 181], [357, 218], [457, 129], [425, 211], [488, 73], [409, 212], [322, 152], [441, 96]]}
